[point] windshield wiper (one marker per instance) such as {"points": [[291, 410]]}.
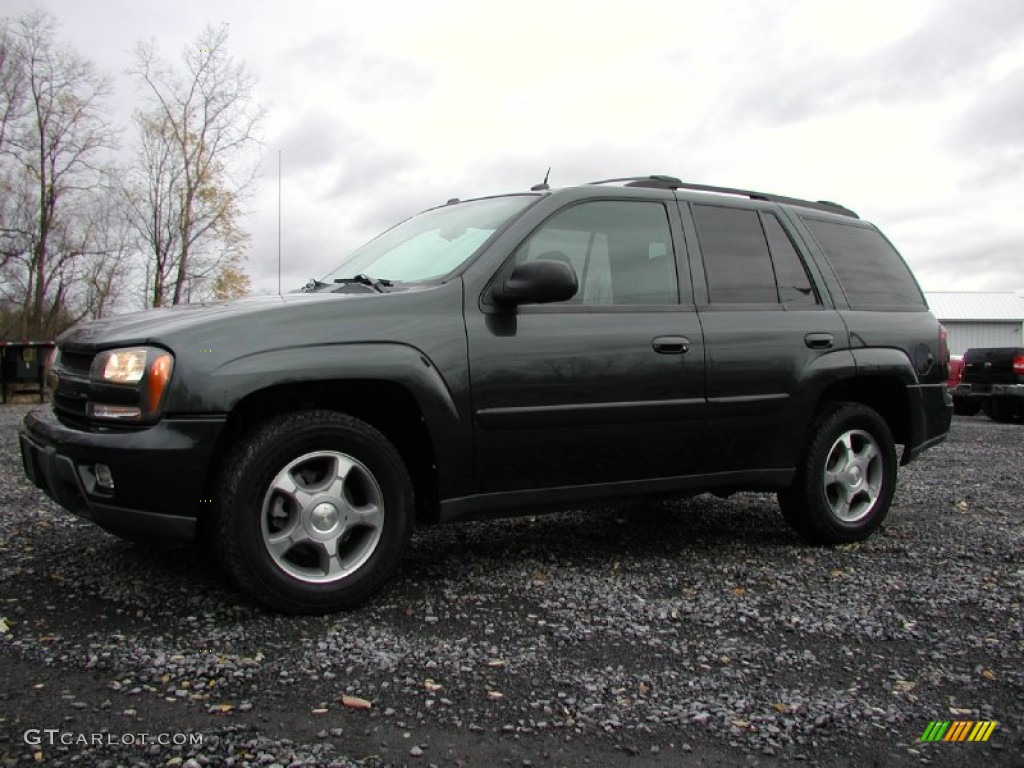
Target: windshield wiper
{"points": [[377, 285], [312, 285]]}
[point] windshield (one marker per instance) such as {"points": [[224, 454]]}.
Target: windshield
{"points": [[432, 243]]}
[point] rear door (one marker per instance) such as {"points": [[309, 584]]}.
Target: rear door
{"points": [[607, 387], [770, 336]]}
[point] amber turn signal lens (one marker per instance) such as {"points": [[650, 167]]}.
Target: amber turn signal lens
{"points": [[157, 381]]}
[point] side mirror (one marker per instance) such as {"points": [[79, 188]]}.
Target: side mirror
{"points": [[536, 282]]}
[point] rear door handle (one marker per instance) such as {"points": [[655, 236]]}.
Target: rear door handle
{"points": [[820, 340], [671, 345]]}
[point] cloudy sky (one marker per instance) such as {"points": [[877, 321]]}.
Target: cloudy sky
{"points": [[911, 112]]}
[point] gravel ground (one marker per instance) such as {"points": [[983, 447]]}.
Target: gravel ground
{"points": [[697, 632]]}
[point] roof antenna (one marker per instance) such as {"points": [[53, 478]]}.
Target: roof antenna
{"points": [[543, 186]]}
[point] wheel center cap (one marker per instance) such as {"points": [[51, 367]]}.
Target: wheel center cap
{"points": [[325, 516], [854, 475]]}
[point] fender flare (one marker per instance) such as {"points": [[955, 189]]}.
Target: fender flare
{"points": [[402, 364]]}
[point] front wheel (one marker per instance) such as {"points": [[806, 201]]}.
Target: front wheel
{"points": [[316, 512], [846, 478]]}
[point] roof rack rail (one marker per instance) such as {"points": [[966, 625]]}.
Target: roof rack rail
{"points": [[659, 181]]}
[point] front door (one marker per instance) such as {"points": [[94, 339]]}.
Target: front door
{"points": [[607, 387]]}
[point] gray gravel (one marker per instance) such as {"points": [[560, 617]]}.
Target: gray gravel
{"points": [[698, 631]]}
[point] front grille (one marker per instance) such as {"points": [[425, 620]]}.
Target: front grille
{"points": [[72, 391], [76, 362], [70, 397]]}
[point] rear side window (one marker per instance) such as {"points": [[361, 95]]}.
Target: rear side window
{"points": [[871, 272], [736, 259], [749, 258]]}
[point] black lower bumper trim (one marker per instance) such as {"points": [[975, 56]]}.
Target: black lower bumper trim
{"points": [[159, 473], [135, 522]]}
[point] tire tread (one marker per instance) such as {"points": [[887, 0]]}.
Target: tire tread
{"points": [[232, 492], [797, 502]]}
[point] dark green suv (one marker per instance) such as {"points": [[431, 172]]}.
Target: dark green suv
{"points": [[617, 339]]}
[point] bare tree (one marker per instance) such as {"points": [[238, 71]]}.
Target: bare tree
{"points": [[12, 81], [109, 244], [56, 138], [194, 166], [153, 202], [95, 268], [12, 110]]}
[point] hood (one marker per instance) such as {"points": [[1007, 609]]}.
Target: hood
{"points": [[153, 324]]}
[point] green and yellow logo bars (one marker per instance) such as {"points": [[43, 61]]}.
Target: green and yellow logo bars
{"points": [[959, 730]]}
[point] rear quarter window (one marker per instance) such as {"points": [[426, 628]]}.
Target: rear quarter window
{"points": [[871, 272]]}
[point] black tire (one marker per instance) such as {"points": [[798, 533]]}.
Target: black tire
{"points": [[1000, 411], [963, 407], [828, 507], [308, 484]]}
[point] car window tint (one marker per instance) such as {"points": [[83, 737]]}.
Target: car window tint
{"points": [[790, 274], [736, 258], [621, 251], [871, 272]]}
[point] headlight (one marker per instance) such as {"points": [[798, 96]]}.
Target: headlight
{"points": [[120, 366], [145, 373]]}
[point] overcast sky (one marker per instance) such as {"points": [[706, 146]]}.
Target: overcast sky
{"points": [[911, 112]]}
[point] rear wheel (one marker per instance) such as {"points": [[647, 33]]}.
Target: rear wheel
{"points": [[316, 512], [845, 481], [964, 407], [1001, 410]]}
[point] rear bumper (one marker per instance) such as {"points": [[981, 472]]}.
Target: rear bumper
{"points": [[160, 473], [982, 391], [931, 413]]}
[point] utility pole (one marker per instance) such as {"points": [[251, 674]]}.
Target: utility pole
{"points": [[279, 222]]}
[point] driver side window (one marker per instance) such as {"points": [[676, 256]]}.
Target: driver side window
{"points": [[621, 252]]}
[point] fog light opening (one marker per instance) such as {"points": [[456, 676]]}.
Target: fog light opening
{"points": [[104, 477]]}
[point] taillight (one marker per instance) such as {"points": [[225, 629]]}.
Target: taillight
{"points": [[944, 350], [956, 371], [1018, 365]]}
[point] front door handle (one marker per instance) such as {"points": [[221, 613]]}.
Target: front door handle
{"points": [[671, 345], [820, 340]]}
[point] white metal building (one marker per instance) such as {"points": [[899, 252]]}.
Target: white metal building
{"points": [[979, 319]]}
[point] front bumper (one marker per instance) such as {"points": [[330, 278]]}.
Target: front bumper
{"points": [[160, 473]]}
